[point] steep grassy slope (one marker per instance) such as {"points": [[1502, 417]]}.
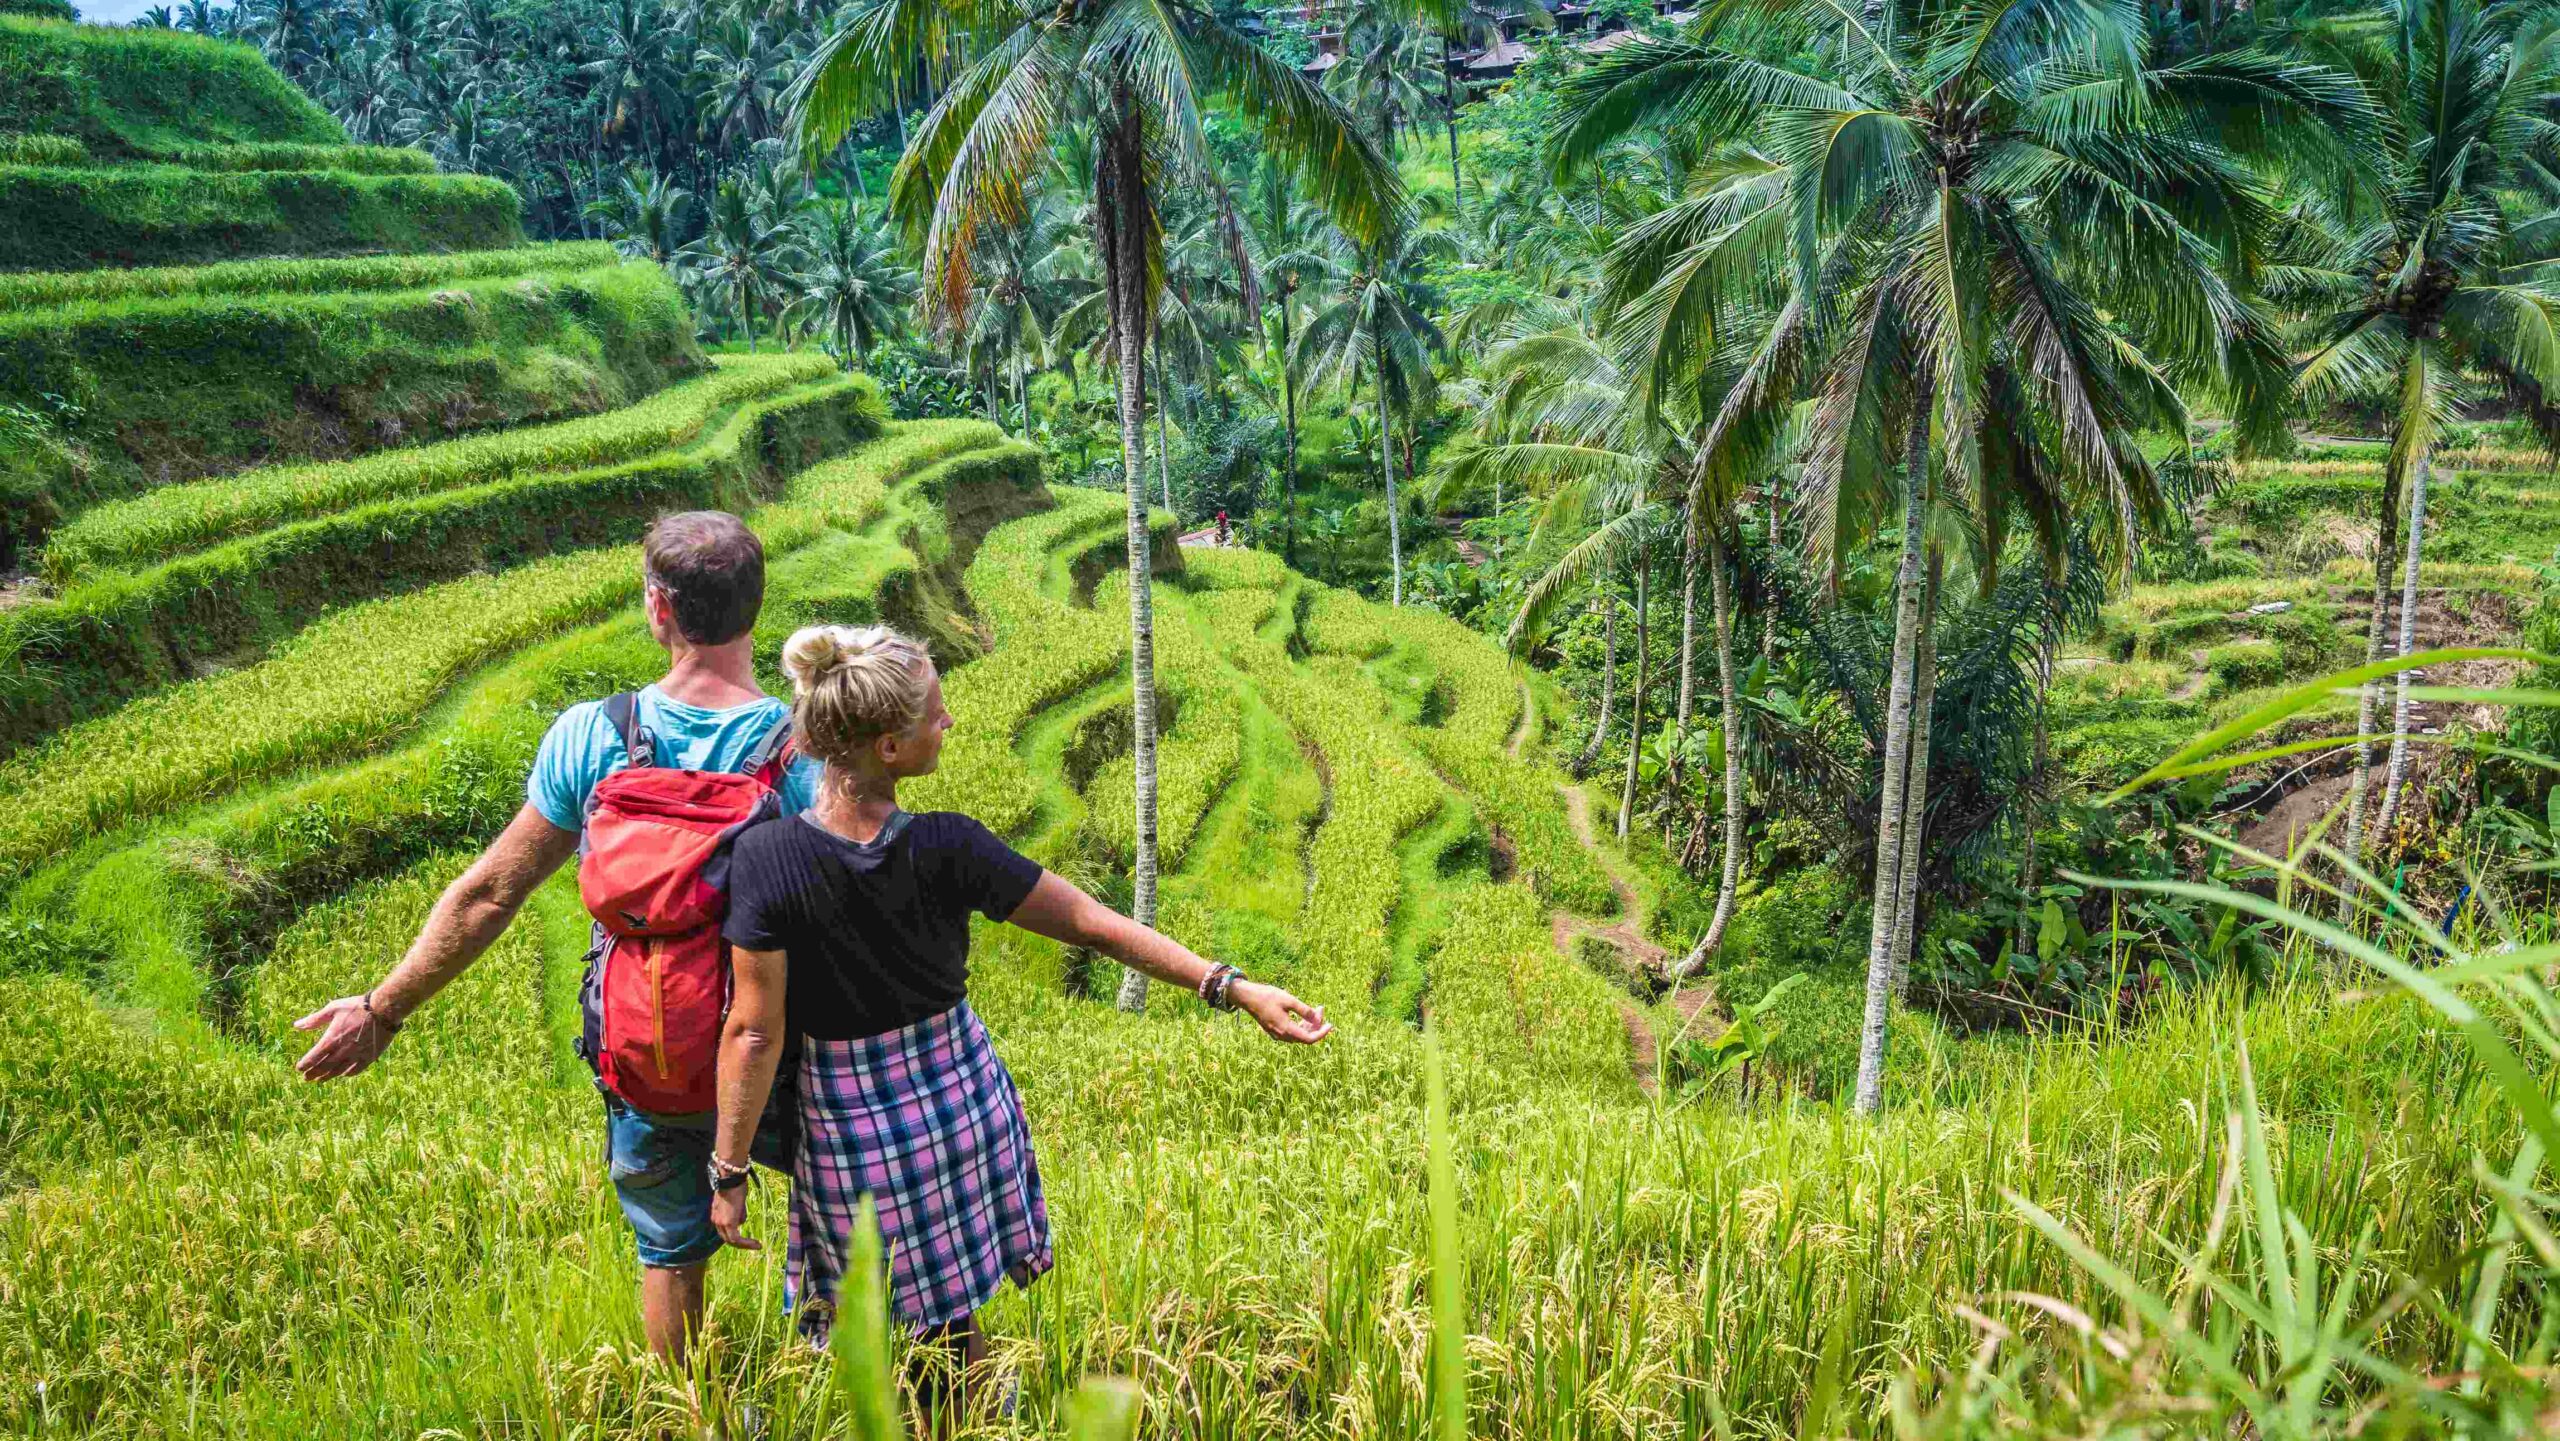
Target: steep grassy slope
{"points": [[126, 92], [288, 375]]}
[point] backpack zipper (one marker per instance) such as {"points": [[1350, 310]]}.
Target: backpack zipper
{"points": [[657, 1003]]}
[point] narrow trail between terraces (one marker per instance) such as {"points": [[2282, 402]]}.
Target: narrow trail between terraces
{"points": [[1641, 962]]}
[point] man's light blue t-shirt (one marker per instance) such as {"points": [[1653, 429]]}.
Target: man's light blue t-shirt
{"points": [[581, 749]]}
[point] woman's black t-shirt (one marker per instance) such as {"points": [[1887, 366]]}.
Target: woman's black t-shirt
{"points": [[877, 932]]}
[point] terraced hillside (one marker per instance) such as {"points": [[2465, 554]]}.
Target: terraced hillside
{"points": [[1353, 804], [2285, 587], [286, 634], [303, 298]]}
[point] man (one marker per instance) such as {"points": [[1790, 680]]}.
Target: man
{"points": [[704, 574]]}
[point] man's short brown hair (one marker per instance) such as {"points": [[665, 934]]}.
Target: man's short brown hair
{"points": [[712, 570]]}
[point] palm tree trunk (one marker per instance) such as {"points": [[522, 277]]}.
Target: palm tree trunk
{"points": [[2386, 542], [1608, 605], [1915, 788], [1731, 881], [1164, 444], [2036, 776], [1121, 207], [1689, 545], [1449, 103], [2408, 645], [1387, 467], [1897, 755], [1769, 620], [1289, 446], [1635, 705]]}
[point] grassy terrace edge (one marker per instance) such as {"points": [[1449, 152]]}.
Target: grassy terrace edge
{"points": [[129, 633], [28, 290]]}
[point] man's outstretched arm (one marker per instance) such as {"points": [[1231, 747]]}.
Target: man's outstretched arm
{"points": [[466, 921]]}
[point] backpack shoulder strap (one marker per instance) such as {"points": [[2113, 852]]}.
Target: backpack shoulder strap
{"points": [[622, 710], [771, 751]]}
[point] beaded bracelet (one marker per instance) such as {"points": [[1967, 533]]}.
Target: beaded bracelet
{"points": [[1215, 986]]}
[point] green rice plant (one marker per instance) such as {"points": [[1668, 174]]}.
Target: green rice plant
{"points": [[366, 675], [1448, 1279], [340, 687], [117, 89], [340, 276], [1376, 792], [179, 518], [1197, 759], [125, 633], [864, 1376], [1047, 649], [1489, 702], [284, 377], [62, 218]]}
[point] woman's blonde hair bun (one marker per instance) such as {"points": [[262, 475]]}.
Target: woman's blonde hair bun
{"points": [[851, 685]]}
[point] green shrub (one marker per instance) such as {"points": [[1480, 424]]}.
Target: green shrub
{"points": [[127, 633], [55, 218], [41, 9], [117, 90], [179, 388], [2244, 663]]}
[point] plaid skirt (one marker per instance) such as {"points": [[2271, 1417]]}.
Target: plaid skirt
{"points": [[926, 1121]]}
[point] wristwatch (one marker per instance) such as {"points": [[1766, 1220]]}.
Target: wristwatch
{"points": [[727, 1178]]}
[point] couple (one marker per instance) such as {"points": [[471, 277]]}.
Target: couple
{"points": [[847, 928]]}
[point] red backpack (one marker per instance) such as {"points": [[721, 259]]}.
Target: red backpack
{"points": [[653, 871]]}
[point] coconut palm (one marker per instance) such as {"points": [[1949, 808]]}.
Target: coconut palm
{"points": [[850, 286], [738, 255], [1374, 331], [1134, 75], [1564, 417], [1291, 255], [2434, 272], [1996, 242], [642, 214]]}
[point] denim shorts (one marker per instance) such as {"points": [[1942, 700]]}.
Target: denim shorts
{"points": [[660, 1166]]}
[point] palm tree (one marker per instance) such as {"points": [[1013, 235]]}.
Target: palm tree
{"points": [[643, 214], [2435, 271], [737, 255], [1291, 255], [1375, 330], [1994, 241], [1032, 277], [850, 285], [1383, 55], [1565, 416], [1136, 73]]}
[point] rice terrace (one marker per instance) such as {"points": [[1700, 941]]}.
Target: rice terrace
{"points": [[1859, 694]]}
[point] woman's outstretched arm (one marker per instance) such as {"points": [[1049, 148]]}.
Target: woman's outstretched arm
{"points": [[1057, 909]]}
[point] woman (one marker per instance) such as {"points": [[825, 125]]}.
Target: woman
{"points": [[859, 913]]}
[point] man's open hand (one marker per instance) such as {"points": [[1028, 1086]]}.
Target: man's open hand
{"points": [[350, 1037]]}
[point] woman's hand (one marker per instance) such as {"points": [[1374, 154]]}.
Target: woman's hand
{"points": [[729, 1218], [1283, 1017]]}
